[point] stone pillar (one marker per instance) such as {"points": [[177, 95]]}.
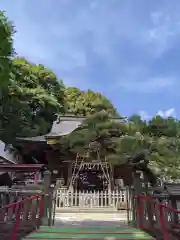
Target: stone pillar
{"points": [[137, 191], [112, 177], [47, 199], [69, 174]]}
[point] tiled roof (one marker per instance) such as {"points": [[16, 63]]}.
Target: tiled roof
{"points": [[33, 139], [64, 126]]}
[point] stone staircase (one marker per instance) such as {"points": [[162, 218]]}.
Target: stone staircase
{"points": [[91, 226], [90, 233], [81, 216]]}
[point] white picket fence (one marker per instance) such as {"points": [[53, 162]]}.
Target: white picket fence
{"points": [[90, 199]]}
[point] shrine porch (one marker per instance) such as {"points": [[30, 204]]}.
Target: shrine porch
{"points": [[123, 232]]}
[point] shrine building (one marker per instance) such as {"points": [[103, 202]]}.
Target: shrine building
{"points": [[72, 170]]}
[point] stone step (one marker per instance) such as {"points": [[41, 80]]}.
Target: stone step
{"points": [[90, 219], [78, 209], [92, 215], [91, 233]]}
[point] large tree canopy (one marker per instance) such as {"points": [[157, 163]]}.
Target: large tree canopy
{"points": [[6, 49], [83, 103], [34, 98]]}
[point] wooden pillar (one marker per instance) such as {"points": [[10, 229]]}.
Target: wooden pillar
{"points": [[36, 177]]}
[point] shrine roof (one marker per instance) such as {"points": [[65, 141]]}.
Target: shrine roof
{"points": [[33, 139], [63, 126]]}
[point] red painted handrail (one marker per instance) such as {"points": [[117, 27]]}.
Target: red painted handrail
{"points": [[162, 209], [25, 213]]}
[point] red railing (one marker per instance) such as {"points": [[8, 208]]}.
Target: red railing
{"points": [[158, 218], [20, 218]]}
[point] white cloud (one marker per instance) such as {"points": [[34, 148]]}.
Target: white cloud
{"points": [[161, 35], [167, 113], [163, 113], [144, 115]]}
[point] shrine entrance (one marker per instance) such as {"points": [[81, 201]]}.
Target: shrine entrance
{"points": [[90, 183], [94, 176], [91, 188], [90, 180], [91, 171]]}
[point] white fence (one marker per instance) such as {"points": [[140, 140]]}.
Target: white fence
{"points": [[89, 199]]}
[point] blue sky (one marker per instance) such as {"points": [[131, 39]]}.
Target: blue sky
{"points": [[126, 49]]}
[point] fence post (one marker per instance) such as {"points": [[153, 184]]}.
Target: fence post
{"points": [[47, 198], [17, 223], [129, 203], [140, 212], [162, 222]]}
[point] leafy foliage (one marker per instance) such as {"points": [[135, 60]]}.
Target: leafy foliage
{"points": [[6, 49], [34, 98], [96, 129], [87, 103], [120, 141]]}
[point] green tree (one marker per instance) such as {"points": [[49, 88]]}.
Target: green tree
{"points": [[6, 49], [166, 159], [122, 141], [136, 119], [35, 97], [98, 133], [159, 126], [83, 103]]}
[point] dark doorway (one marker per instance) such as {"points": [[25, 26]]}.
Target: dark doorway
{"points": [[90, 180]]}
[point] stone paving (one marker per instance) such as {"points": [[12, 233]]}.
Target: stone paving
{"points": [[91, 219]]}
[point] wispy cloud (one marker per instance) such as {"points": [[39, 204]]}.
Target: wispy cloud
{"points": [[144, 115], [167, 113], [161, 35], [163, 113]]}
